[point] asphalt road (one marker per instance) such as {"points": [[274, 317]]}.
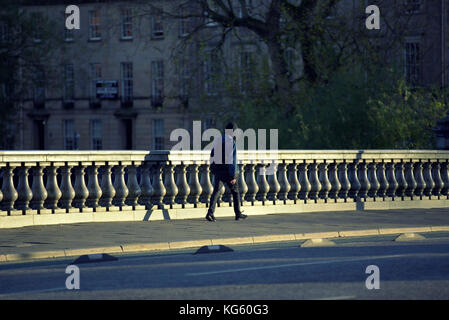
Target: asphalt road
{"points": [[407, 270]]}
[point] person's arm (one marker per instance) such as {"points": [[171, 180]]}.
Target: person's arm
{"points": [[232, 167]]}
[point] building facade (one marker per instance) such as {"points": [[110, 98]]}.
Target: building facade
{"points": [[131, 75]]}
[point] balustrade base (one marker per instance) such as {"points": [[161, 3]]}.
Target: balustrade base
{"points": [[112, 209], [59, 216]]}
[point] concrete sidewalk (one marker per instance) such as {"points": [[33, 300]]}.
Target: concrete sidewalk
{"points": [[67, 240]]}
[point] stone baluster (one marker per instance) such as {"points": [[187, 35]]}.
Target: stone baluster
{"points": [[383, 181], [183, 186], [355, 183], [273, 182], [145, 186], [344, 180], [372, 178], [391, 178], [284, 185], [400, 178], [314, 181], [159, 190], [53, 191], [93, 187], [194, 184], [38, 188], [420, 182], [409, 177], [206, 184], [365, 185], [10, 194], [107, 189], [262, 183], [324, 180], [436, 174], [334, 181], [427, 173], [251, 181], [295, 186], [243, 187], [445, 178], [133, 186], [121, 190], [68, 193], [304, 181], [170, 185], [23, 189], [81, 191]]}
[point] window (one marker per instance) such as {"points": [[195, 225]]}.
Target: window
{"points": [[413, 6], [247, 7], [96, 134], [157, 27], [158, 134], [157, 74], [127, 24], [246, 66], [209, 22], [211, 72], [37, 19], [94, 25], [5, 32], [290, 59], [69, 83], [127, 81], [70, 140], [68, 33], [412, 63], [184, 78], [94, 75], [39, 88], [185, 24]]}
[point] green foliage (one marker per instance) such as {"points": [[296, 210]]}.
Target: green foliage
{"points": [[354, 110]]}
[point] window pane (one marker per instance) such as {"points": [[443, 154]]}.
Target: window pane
{"points": [[127, 80], [94, 24], [69, 135], [96, 135], [158, 134]]}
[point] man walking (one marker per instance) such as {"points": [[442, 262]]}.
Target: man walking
{"points": [[225, 169]]}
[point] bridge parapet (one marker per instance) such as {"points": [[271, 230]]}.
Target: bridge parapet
{"points": [[37, 183]]}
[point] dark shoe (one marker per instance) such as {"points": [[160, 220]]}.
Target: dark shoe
{"points": [[210, 217], [241, 216]]}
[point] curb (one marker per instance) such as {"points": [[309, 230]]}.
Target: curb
{"points": [[165, 246]]}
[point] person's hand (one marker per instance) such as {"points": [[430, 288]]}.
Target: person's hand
{"points": [[233, 181]]}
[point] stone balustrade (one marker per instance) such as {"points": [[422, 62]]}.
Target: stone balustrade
{"points": [[50, 182]]}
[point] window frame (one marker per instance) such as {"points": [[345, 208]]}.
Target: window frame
{"points": [[69, 137], [95, 25], [413, 69], [157, 78], [96, 134], [158, 137], [126, 21], [127, 81]]}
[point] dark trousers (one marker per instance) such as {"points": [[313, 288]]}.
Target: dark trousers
{"points": [[234, 188]]}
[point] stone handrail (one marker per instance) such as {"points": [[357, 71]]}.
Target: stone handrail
{"points": [[48, 182]]}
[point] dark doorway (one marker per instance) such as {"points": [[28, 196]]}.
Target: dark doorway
{"points": [[127, 134], [39, 134]]}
